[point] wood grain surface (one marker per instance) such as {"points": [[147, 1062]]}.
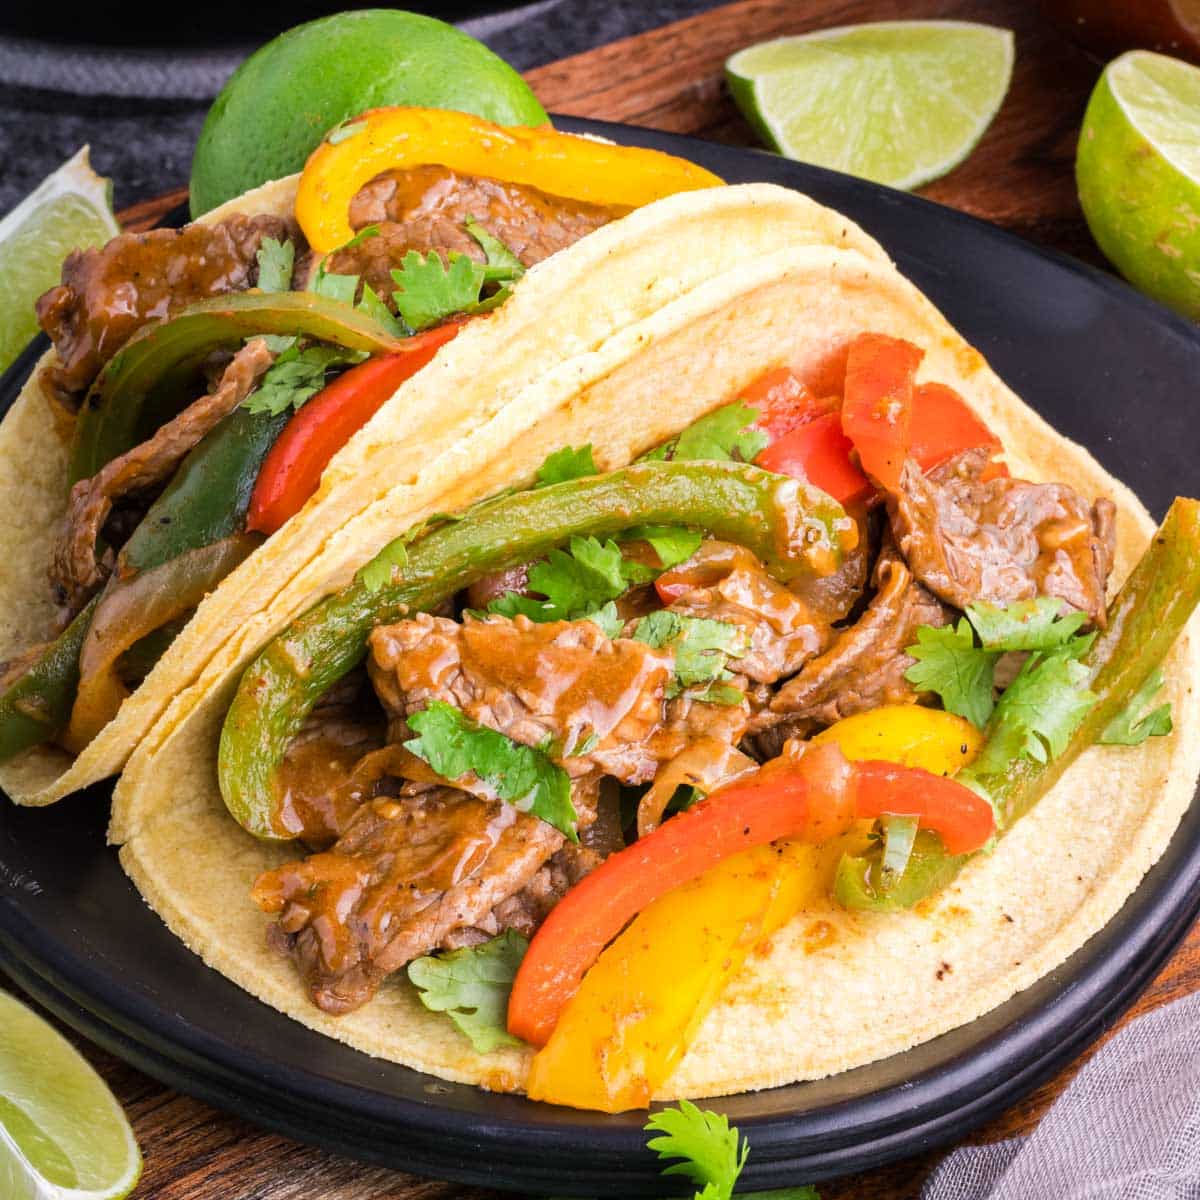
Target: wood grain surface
{"points": [[1020, 176]]}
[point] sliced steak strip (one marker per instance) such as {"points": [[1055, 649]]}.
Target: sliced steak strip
{"points": [[407, 874], [426, 208], [106, 295], [1001, 540], [76, 572], [865, 666], [780, 631], [562, 680]]}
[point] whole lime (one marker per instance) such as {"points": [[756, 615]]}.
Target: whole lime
{"points": [[1138, 172], [282, 100]]}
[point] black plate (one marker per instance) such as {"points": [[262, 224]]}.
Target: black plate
{"points": [[1107, 367]]}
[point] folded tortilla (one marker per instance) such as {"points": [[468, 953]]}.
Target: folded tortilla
{"points": [[835, 989], [411, 454]]}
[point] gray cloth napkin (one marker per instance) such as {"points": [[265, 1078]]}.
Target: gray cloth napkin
{"points": [[1127, 1127]]}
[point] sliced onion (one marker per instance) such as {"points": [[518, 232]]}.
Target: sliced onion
{"points": [[128, 611], [706, 764]]}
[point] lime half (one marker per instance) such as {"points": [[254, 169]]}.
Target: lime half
{"points": [[63, 1135], [1138, 171], [69, 210], [280, 103], [899, 102]]}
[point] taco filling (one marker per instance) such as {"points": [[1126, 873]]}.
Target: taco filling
{"points": [[540, 742], [205, 377]]}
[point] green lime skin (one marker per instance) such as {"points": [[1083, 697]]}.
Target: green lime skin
{"points": [[282, 100], [1139, 207]]}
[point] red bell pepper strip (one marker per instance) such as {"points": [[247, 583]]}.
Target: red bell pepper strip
{"points": [[819, 452], [787, 798], [292, 469], [877, 403], [943, 425], [784, 402]]}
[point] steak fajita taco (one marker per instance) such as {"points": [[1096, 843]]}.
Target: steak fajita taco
{"points": [[192, 440], [781, 693]]}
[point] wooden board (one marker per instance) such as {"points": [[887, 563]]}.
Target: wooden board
{"points": [[1020, 176]]}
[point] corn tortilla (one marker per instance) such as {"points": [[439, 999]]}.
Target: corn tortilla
{"points": [[808, 1006]]}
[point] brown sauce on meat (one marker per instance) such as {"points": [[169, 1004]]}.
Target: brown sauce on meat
{"points": [[426, 209], [324, 779]]}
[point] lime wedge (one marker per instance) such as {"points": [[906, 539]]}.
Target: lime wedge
{"points": [[899, 102], [63, 1135], [68, 210], [1138, 171]]}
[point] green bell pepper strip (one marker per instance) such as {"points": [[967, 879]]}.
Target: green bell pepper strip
{"points": [[142, 385], [37, 705], [1144, 620], [794, 528], [207, 499]]}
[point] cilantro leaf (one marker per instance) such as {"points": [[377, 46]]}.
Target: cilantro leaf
{"points": [[726, 433], [712, 1153], [275, 262], [503, 266], [700, 646], [575, 582], [471, 987], [429, 291], [374, 307], [520, 775], [1128, 728], [381, 570], [608, 619], [672, 543], [335, 286], [567, 463], [296, 376], [1038, 624], [950, 664], [1039, 710]]}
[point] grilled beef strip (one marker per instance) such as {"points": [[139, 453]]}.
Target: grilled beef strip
{"points": [[76, 572], [107, 294], [865, 666], [1001, 540], [561, 680], [405, 877], [426, 209], [780, 631]]}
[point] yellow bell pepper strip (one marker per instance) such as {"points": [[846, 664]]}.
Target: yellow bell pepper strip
{"points": [[814, 797], [936, 741], [561, 164], [639, 1007]]}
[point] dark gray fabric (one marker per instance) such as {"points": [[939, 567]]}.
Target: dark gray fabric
{"points": [[141, 110], [1127, 1127]]}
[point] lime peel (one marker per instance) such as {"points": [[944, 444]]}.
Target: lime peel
{"points": [[70, 209], [1138, 173], [63, 1135], [897, 102]]}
